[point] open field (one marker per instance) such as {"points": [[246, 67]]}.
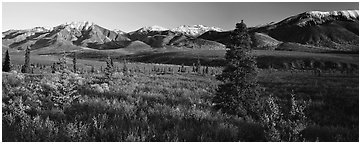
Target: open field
{"points": [[170, 107], [169, 102], [265, 58]]}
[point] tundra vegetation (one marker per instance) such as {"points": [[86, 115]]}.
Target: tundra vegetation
{"points": [[121, 100]]}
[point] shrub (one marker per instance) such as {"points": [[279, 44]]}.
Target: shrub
{"points": [[281, 126]]}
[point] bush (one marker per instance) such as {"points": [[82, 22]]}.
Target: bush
{"points": [[280, 126]]}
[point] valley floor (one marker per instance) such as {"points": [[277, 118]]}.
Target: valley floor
{"points": [[155, 106]]}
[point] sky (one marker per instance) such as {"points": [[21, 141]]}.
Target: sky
{"points": [[132, 16]]}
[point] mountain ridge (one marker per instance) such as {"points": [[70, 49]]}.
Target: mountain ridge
{"points": [[195, 30], [334, 29]]}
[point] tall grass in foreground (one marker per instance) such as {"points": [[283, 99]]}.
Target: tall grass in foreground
{"points": [[130, 108]]}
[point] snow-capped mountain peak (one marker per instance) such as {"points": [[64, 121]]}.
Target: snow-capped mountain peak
{"points": [[195, 30], [40, 29], [85, 25], [349, 14], [319, 17], [152, 28], [119, 31], [264, 25]]}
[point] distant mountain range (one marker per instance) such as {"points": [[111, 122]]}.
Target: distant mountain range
{"points": [[334, 30]]}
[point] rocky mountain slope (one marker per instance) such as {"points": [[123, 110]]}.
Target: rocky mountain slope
{"points": [[83, 34], [89, 35], [336, 29], [159, 37], [195, 30]]}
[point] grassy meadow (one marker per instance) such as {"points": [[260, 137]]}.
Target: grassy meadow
{"points": [[170, 102]]}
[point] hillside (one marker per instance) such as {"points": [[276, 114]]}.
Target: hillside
{"points": [[337, 30], [159, 37], [83, 34], [195, 30]]}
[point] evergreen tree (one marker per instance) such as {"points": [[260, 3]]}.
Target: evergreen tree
{"points": [[239, 92], [170, 69], [92, 70], [74, 62], [207, 70], [53, 67], [194, 67], [62, 62], [26, 67], [125, 68], [109, 70], [7, 64], [111, 62], [198, 66], [182, 69]]}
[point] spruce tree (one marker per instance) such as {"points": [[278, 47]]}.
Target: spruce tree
{"points": [[26, 67], [92, 70], [125, 68], [239, 92], [111, 62], [109, 70], [74, 62], [198, 66], [62, 62], [182, 69], [207, 70], [53, 68], [7, 64]]}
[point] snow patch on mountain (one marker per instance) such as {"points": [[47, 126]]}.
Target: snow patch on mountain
{"points": [[348, 14], [195, 30], [119, 31], [319, 17], [85, 25], [152, 28], [264, 25], [40, 29]]}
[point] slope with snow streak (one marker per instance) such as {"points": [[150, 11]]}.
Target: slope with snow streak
{"points": [[349, 14], [334, 29], [151, 28], [195, 30], [85, 34], [79, 25], [319, 17]]}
